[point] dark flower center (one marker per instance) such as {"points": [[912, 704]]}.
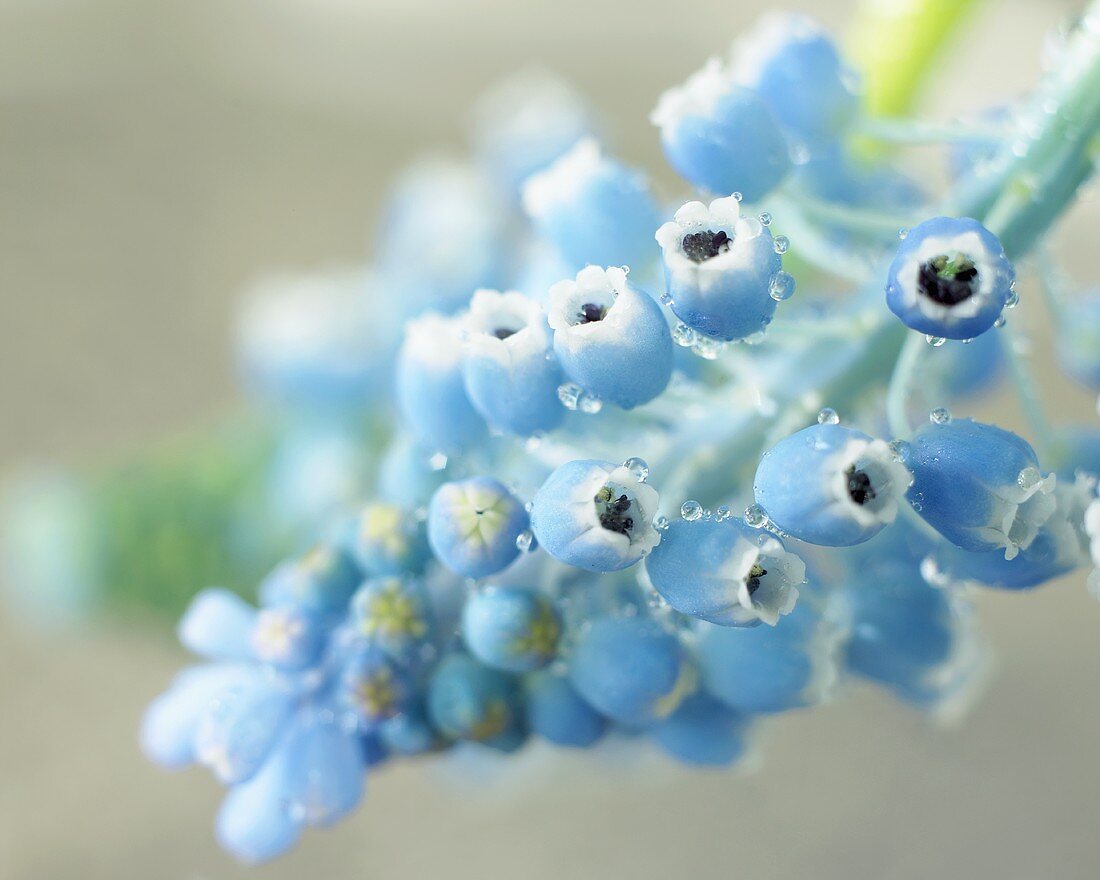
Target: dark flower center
{"points": [[947, 280], [589, 313], [752, 582], [859, 486], [701, 246], [504, 332], [613, 511]]}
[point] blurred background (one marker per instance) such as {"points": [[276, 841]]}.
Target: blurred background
{"points": [[158, 157]]}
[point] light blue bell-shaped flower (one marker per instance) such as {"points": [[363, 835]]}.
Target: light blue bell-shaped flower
{"points": [[702, 731], [556, 712], [475, 526]]}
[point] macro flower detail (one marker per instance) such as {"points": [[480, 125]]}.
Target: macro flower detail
{"points": [[593, 209], [721, 136], [485, 592], [595, 515], [979, 486], [386, 539], [793, 64], [830, 485], [725, 572], [430, 385], [611, 339], [722, 269], [474, 526], [511, 374], [950, 278]]}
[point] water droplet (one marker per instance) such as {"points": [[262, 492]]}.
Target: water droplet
{"points": [[529, 506], [967, 341], [683, 335], [723, 513], [706, 347], [437, 462], [589, 403], [781, 244], [941, 415], [666, 298], [828, 416], [903, 233], [638, 467], [1029, 478], [755, 338], [525, 540], [707, 514], [1000, 322], [569, 395], [1012, 300], [737, 197], [691, 510], [935, 341], [765, 219], [899, 449], [755, 516], [781, 286], [660, 523]]}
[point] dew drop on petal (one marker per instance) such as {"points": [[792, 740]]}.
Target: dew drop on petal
{"points": [[638, 467], [722, 513], [1029, 478], [589, 403], [765, 219], [934, 341], [781, 286], [437, 462], [899, 449], [1000, 322], [903, 234], [755, 516], [1012, 300], [737, 197], [525, 540], [941, 415], [666, 298], [660, 523], [569, 395], [683, 335], [691, 510], [828, 416], [781, 244]]}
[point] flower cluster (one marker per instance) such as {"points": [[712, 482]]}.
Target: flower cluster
{"points": [[588, 386]]}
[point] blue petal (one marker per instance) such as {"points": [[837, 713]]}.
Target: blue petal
{"points": [[218, 625]]}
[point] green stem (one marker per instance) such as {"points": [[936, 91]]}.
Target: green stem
{"points": [[901, 382], [1028, 392], [913, 132]]}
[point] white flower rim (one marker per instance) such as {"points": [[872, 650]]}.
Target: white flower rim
{"points": [[889, 479], [594, 285], [973, 247], [778, 592], [564, 180], [491, 309], [695, 97], [721, 215], [645, 500]]}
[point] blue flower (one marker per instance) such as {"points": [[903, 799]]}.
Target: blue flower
{"points": [[431, 390], [386, 539], [556, 712], [830, 485], [702, 731], [725, 572], [763, 669], [320, 581], [979, 486], [611, 339], [218, 625], [722, 269], [594, 209], [1059, 546], [317, 339], [793, 64], [411, 732], [374, 687], [1078, 344], [524, 123], [512, 376], [406, 475], [595, 515], [631, 670], [472, 702], [721, 136], [511, 629], [444, 233], [474, 526], [950, 278], [288, 637], [394, 614]]}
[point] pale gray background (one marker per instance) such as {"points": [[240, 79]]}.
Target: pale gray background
{"points": [[154, 157]]}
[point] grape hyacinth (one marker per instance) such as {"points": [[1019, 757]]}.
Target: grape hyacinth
{"points": [[634, 487]]}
